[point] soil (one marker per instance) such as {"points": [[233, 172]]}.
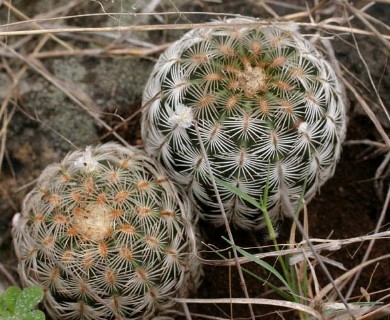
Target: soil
{"points": [[347, 206]]}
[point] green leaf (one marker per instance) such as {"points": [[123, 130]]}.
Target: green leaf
{"points": [[4, 312], [9, 298], [33, 315], [263, 264], [280, 292], [239, 192], [9, 318], [3, 308], [28, 299]]}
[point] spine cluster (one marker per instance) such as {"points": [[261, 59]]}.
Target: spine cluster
{"points": [[107, 236], [262, 102]]}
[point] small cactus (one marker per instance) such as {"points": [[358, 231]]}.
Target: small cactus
{"points": [[264, 104], [107, 236]]}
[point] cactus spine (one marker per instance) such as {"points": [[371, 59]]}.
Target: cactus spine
{"points": [[263, 102], [107, 236]]}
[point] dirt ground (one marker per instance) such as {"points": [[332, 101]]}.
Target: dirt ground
{"points": [[46, 124]]}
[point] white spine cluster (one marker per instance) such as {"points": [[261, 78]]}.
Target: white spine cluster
{"points": [[182, 117], [265, 102], [86, 161]]}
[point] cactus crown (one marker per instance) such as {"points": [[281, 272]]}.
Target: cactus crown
{"points": [[106, 235], [263, 102]]}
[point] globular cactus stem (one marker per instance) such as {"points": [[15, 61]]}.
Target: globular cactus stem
{"points": [[264, 103], [107, 236]]}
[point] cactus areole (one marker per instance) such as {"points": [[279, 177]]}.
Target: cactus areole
{"points": [[264, 105], [107, 236]]}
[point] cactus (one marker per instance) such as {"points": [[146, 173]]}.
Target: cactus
{"points": [[264, 105], [107, 236]]}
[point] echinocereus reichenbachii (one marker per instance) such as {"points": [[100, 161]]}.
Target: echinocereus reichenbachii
{"points": [[107, 236], [264, 103]]}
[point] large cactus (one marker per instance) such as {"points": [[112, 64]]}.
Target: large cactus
{"points": [[107, 236], [264, 104]]}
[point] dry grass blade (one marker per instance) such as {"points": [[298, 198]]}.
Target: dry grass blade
{"points": [[347, 275], [289, 211], [368, 142], [362, 17], [246, 301], [369, 112], [23, 25], [380, 175], [180, 26], [72, 91], [6, 119], [377, 313], [383, 40], [371, 244], [324, 244], [21, 15], [137, 52], [227, 224], [8, 275], [5, 115]]}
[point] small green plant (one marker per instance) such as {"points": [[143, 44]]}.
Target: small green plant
{"points": [[295, 286], [294, 277], [253, 96], [18, 304], [107, 236]]}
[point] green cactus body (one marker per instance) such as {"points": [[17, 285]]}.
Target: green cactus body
{"points": [[107, 236], [262, 101]]}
